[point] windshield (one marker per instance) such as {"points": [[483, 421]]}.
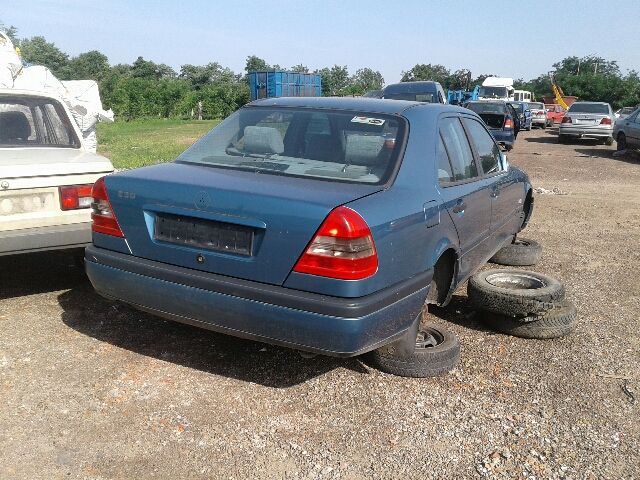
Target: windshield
{"points": [[414, 97], [493, 92], [27, 121], [536, 106], [329, 145], [486, 107], [589, 108]]}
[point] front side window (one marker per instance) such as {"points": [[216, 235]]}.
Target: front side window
{"points": [[488, 151], [329, 145], [458, 149], [27, 121]]}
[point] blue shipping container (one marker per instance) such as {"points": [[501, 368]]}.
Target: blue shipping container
{"points": [[284, 84]]}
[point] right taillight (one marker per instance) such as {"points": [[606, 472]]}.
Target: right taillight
{"points": [[508, 123], [566, 119], [342, 248], [103, 219]]}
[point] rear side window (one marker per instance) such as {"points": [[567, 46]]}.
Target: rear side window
{"points": [[488, 151], [445, 172], [458, 149]]}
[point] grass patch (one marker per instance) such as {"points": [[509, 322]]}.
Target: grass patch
{"points": [[144, 142]]}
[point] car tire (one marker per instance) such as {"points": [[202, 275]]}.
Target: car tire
{"points": [[563, 138], [436, 351], [544, 126], [621, 142], [514, 292], [508, 148], [608, 141], [557, 322], [521, 253]]}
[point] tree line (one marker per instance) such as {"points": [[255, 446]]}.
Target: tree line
{"points": [[148, 89]]}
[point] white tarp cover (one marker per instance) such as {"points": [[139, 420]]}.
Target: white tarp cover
{"points": [[81, 96], [10, 63]]}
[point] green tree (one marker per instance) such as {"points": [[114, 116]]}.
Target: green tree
{"points": [[300, 68], [366, 79], [89, 65], [149, 70], [421, 71], [256, 64], [334, 80], [38, 51], [11, 31]]}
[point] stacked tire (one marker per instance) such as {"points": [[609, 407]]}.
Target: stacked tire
{"points": [[522, 303]]}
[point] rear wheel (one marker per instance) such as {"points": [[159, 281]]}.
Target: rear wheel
{"points": [[608, 141], [422, 352], [562, 138], [621, 142], [544, 125]]}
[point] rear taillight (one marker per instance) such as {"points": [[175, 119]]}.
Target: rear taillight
{"points": [[73, 197], [508, 123], [566, 119], [342, 248], [102, 216], [605, 121]]}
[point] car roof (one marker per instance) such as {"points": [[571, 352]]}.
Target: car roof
{"points": [[28, 93], [360, 104], [593, 103]]}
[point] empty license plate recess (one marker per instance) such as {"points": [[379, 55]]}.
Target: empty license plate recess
{"points": [[204, 234]]}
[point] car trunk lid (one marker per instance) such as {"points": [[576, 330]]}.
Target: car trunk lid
{"points": [[237, 223]]}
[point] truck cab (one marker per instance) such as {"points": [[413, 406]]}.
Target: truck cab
{"points": [[497, 88]]}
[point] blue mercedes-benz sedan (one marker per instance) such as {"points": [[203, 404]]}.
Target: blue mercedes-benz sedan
{"points": [[322, 224]]}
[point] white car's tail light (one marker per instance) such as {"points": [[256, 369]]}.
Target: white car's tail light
{"points": [[73, 197]]}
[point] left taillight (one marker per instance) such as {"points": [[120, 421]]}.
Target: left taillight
{"points": [[342, 248], [103, 219], [508, 123], [605, 121], [74, 197]]}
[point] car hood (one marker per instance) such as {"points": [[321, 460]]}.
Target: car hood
{"points": [[38, 162]]}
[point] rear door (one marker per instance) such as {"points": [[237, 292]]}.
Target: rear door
{"points": [[506, 192], [466, 195], [633, 130]]}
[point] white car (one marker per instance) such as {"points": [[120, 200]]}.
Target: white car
{"points": [[46, 175]]}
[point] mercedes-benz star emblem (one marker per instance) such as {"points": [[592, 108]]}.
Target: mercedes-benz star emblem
{"points": [[4, 184]]}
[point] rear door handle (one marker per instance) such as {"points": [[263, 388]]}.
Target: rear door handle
{"points": [[460, 207]]}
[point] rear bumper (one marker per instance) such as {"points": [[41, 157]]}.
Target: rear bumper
{"points": [[585, 131], [318, 323], [505, 138], [45, 238], [538, 120]]}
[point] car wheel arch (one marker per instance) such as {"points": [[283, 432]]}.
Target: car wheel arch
{"points": [[445, 272]]}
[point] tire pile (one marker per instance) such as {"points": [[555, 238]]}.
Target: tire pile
{"points": [[518, 302]]}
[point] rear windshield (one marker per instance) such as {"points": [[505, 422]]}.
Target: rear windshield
{"points": [[496, 92], [27, 121], [486, 107], [329, 145], [411, 96], [538, 106], [517, 106], [589, 108]]}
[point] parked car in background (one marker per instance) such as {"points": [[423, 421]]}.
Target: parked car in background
{"points": [[626, 131], [46, 175], [430, 92], [555, 113], [322, 224], [588, 120], [625, 111], [524, 114], [501, 119], [373, 94], [538, 114]]}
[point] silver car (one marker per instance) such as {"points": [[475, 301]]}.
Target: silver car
{"points": [[588, 120], [538, 114], [626, 131]]}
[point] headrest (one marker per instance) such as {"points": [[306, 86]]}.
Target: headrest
{"points": [[266, 140], [363, 149], [14, 126]]}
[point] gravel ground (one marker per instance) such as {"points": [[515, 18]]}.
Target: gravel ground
{"points": [[90, 389]]}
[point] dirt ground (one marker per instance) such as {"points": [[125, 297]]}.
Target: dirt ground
{"points": [[90, 389]]}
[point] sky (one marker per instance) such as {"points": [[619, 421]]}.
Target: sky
{"points": [[518, 39]]}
